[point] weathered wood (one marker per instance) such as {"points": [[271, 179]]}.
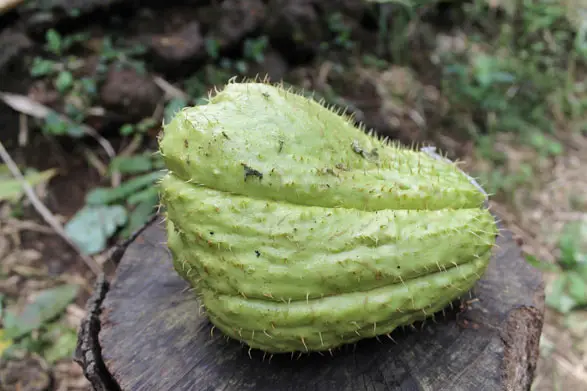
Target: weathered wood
{"points": [[151, 337]]}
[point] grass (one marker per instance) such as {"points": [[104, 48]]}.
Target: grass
{"points": [[512, 85], [518, 83]]}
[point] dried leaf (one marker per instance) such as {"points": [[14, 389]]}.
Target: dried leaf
{"points": [[25, 105]]}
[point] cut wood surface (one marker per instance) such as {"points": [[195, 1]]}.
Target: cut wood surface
{"points": [[144, 331]]}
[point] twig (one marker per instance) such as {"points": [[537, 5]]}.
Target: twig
{"points": [[568, 367], [25, 105], [15, 225], [132, 147], [95, 162], [23, 130], [170, 90], [43, 211]]}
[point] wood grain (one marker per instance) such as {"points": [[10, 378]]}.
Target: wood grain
{"points": [[151, 337]]}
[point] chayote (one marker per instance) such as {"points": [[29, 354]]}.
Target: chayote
{"points": [[299, 231]]}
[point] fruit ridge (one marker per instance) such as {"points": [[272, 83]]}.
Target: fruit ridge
{"points": [[299, 231]]}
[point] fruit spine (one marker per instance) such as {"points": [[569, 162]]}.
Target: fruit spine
{"points": [[301, 232]]}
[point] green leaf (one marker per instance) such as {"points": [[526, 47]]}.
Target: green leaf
{"points": [[555, 148], [577, 287], [572, 243], [42, 67], [103, 195], [11, 189], [47, 305], [89, 85], [139, 216], [55, 125], [144, 195], [126, 129], [544, 266], [131, 164], [63, 341], [172, 108], [557, 297], [54, 41], [145, 124], [158, 162], [582, 269], [576, 322], [5, 343], [92, 226], [212, 47], [64, 81]]}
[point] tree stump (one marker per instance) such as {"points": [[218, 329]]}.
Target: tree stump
{"points": [[143, 331]]}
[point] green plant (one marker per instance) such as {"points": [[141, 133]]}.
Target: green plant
{"points": [[11, 189], [108, 211], [58, 45], [498, 180], [254, 49], [122, 209], [301, 243], [569, 290], [79, 93], [121, 55], [137, 128], [513, 82], [38, 327], [212, 47], [342, 32], [197, 85], [505, 95]]}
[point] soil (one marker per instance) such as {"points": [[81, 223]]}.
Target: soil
{"points": [[403, 103]]}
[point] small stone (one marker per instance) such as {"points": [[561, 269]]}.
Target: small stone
{"points": [[298, 23], [237, 19], [129, 93], [185, 45], [55, 267]]}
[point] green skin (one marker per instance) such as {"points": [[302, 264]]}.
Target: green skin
{"points": [[301, 232]]}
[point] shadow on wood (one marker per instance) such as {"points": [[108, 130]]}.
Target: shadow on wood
{"points": [[144, 332]]}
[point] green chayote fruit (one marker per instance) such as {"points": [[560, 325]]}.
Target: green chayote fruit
{"points": [[301, 232]]}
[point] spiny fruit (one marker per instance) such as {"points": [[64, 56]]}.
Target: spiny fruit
{"points": [[299, 231]]}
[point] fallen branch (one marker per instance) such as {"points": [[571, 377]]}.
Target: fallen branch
{"points": [[43, 211]]}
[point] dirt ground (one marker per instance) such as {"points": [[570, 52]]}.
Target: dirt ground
{"points": [[405, 104]]}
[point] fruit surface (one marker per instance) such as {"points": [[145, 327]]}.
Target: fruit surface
{"points": [[301, 232]]}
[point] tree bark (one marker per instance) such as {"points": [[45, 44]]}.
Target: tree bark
{"points": [[144, 332]]}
